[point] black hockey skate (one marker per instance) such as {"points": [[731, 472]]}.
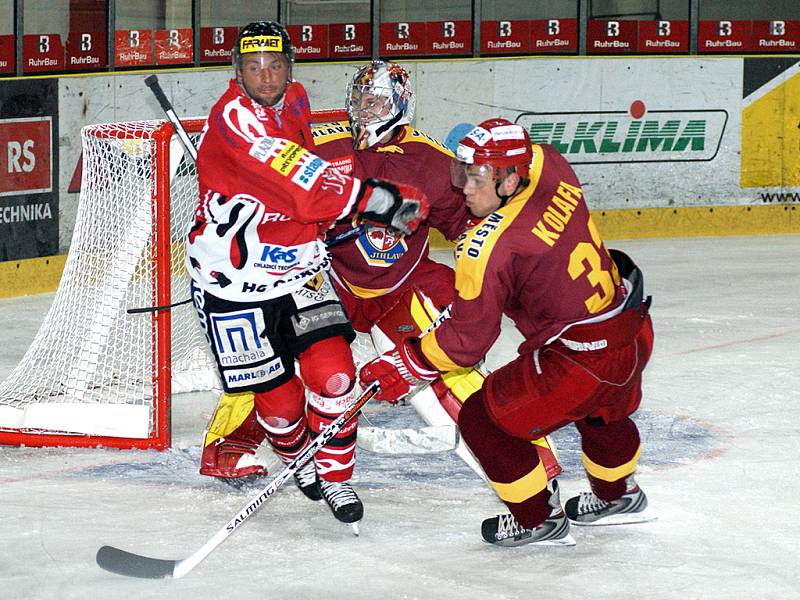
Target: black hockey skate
{"points": [[588, 509], [306, 479], [343, 501], [505, 530]]}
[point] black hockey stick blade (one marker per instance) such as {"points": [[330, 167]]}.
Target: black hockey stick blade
{"points": [[121, 562]]}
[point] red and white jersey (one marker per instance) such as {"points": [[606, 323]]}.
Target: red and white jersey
{"points": [[539, 259], [265, 200], [378, 262]]}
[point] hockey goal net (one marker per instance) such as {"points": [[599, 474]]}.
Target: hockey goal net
{"points": [[96, 374]]}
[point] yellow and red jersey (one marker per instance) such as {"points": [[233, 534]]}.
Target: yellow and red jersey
{"points": [[379, 262], [539, 259]]}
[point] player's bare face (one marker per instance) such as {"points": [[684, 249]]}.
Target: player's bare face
{"points": [[264, 76], [480, 191], [371, 107]]}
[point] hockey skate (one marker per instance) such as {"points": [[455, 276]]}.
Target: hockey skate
{"points": [[343, 501], [505, 530], [588, 509], [306, 479]]}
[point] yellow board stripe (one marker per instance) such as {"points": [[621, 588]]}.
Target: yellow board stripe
{"points": [[611, 474], [31, 275], [698, 221], [523, 488], [690, 221]]}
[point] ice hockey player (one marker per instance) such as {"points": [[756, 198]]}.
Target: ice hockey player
{"points": [[537, 256], [258, 269], [388, 284], [374, 270]]}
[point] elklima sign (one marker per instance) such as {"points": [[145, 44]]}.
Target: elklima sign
{"points": [[618, 137]]}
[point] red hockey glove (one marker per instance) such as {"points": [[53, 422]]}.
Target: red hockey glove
{"points": [[397, 371], [396, 206]]}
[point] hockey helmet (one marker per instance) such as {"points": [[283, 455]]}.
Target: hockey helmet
{"points": [[496, 147], [379, 98], [262, 36]]}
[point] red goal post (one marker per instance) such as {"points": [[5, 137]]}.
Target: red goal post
{"points": [[94, 374]]}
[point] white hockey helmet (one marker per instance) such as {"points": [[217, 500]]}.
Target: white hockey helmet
{"points": [[379, 98]]}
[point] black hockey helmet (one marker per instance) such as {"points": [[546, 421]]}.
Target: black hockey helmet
{"points": [[262, 36]]}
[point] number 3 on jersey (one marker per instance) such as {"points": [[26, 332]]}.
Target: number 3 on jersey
{"points": [[585, 260]]}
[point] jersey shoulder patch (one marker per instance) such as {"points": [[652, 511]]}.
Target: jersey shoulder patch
{"points": [[411, 135], [327, 132]]}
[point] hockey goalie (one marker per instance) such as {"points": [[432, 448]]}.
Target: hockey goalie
{"points": [[388, 285]]}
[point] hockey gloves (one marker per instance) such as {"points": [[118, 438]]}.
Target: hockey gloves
{"points": [[397, 371], [396, 206]]}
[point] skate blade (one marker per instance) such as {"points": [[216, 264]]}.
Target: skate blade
{"points": [[355, 528], [567, 540], [620, 519]]}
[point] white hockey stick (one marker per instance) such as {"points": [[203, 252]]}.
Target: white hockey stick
{"points": [[136, 565]]}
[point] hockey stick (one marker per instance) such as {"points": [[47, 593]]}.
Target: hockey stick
{"points": [[135, 565], [155, 87], [152, 82], [440, 435], [422, 440]]}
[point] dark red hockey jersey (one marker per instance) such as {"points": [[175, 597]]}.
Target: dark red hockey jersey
{"points": [[265, 200], [539, 260], [378, 261]]}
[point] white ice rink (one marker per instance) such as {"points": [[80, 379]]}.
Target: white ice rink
{"points": [[720, 423]]}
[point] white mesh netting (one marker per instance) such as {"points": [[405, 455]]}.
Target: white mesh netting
{"points": [[89, 369]]}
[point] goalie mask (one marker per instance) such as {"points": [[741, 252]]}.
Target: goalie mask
{"points": [[379, 99]]}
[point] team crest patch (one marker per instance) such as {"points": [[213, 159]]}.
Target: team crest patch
{"points": [[380, 247]]}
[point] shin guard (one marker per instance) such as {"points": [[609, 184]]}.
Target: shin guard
{"points": [[335, 462]]}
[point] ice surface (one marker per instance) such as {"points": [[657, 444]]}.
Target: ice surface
{"points": [[720, 422]]}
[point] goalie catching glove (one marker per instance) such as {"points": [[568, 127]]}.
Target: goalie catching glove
{"points": [[397, 371], [396, 206]]}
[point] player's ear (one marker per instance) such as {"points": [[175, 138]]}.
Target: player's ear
{"points": [[509, 184]]}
